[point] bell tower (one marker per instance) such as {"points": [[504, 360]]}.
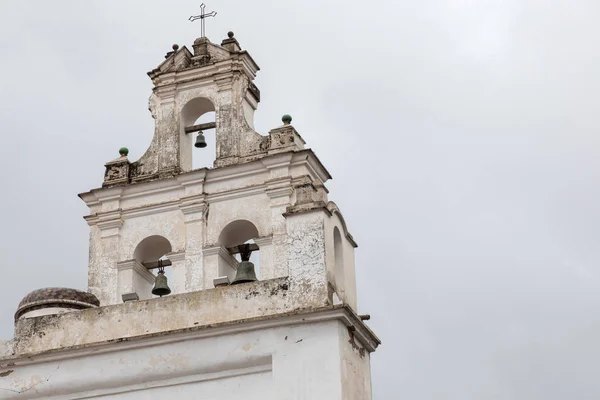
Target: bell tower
{"points": [[225, 281], [189, 84]]}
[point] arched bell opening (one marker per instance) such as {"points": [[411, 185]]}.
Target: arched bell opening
{"points": [[147, 275], [338, 251], [152, 248], [198, 126], [237, 232], [237, 239], [205, 157]]}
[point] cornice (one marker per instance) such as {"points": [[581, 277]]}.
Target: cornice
{"points": [[236, 194], [193, 177], [234, 171], [108, 222], [274, 188], [263, 241], [343, 313], [104, 225], [277, 160], [194, 208], [188, 78], [279, 192], [151, 209], [317, 167]]}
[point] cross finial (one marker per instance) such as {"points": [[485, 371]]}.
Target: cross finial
{"points": [[201, 17]]}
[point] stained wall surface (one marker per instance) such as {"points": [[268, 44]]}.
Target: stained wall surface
{"points": [[297, 361]]}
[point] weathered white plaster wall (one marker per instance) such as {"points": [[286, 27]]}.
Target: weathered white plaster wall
{"points": [[253, 208], [188, 310], [168, 224], [253, 385], [355, 364], [277, 359]]}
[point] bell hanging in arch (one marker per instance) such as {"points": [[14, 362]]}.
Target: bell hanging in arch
{"points": [[200, 140], [245, 269], [245, 273], [161, 288]]}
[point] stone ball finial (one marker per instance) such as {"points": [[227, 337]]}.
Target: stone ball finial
{"points": [[230, 34], [287, 118], [123, 151], [175, 47]]}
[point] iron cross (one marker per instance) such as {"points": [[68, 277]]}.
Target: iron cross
{"points": [[201, 17]]}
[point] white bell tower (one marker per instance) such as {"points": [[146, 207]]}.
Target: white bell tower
{"points": [[293, 333]]}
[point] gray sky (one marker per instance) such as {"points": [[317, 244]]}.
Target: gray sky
{"points": [[462, 136]]}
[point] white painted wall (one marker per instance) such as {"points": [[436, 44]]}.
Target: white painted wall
{"points": [[297, 362], [255, 385]]}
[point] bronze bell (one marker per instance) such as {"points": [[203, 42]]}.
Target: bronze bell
{"points": [[161, 288], [245, 269], [200, 140], [245, 273]]}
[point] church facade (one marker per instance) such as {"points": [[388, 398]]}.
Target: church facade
{"points": [[282, 324]]}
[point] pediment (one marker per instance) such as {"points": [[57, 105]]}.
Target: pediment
{"points": [[176, 60]]}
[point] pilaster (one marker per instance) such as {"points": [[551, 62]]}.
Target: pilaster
{"points": [[190, 275], [280, 191], [218, 263], [268, 269], [305, 251], [135, 281], [104, 250], [180, 272]]}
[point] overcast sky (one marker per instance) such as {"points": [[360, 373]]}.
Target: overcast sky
{"points": [[462, 136]]}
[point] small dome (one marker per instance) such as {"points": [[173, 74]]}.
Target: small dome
{"points": [[56, 298]]}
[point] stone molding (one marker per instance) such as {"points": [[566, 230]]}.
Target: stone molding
{"points": [[237, 193], [279, 188], [97, 197], [151, 209], [175, 257], [223, 253], [343, 313], [137, 268], [194, 209], [278, 160], [109, 223], [263, 241]]}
